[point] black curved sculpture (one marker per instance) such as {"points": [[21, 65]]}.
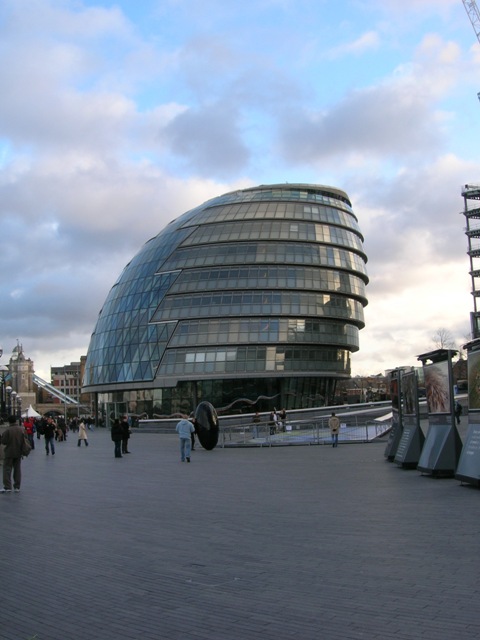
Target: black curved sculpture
{"points": [[206, 425]]}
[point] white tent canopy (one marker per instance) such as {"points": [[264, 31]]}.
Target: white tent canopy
{"points": [[31, 413]]}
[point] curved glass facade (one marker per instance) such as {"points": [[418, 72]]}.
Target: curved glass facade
{"points": [[253, 298]]}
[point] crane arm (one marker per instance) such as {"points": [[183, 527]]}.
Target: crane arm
{"points": [[474, 15]]}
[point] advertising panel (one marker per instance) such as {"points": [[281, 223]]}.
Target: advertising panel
{"points": [[442, 447], [437, 387], [396, 431], [474, 380], [411, 442], [468, 469]]}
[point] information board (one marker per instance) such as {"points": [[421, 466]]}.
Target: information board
{"points": [[396, 430], [442, 448], [468, 469], [411, 445], [412, 438]]}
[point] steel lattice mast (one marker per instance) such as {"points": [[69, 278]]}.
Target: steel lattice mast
{"points": [[471, 211], [474, 15]]}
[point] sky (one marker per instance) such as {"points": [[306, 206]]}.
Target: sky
{"points": [[117, 117]]}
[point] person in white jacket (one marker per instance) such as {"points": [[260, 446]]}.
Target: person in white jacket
{"points": [[185, 429], [82, 434], [334, 424]]}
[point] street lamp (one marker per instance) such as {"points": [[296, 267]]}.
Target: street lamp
{"points": [[76, 376], [19, 410], [65, 392], [3, 375], [9, 392], [13, 405]]}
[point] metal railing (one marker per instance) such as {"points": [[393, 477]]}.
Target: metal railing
{"points": [[302, 432]]}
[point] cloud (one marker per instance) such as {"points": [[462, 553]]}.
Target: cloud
{"points": [[114, 121], [366, 42], [413, 6], [209, 140], [418, 267], [361, 125], [393, 119]]}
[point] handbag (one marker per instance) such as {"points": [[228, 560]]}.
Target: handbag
{"points": [[25, 448]]}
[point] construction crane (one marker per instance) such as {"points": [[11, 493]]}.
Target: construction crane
{"points": [[474, 15], [471, 197]]}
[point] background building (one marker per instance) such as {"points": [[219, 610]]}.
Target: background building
{"points": [[18, 390], [67, 379], [253, 299], [20, 387]]}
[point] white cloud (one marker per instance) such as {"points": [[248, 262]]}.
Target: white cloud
{"points": [[366, 42], [111, 126]]}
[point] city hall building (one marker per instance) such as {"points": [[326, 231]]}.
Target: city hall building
{"points": [[252, 300]]}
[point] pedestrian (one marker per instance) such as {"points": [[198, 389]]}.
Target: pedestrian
{"points": [[193, 421], [29, 426], [49, 431], [273, 421], [125, 434], [40, 427], [62, 430], [256, 420], [185, 429], [82, 434], [458, 411], [13, 439], [283, 419], [117, 435], [334, 424]]}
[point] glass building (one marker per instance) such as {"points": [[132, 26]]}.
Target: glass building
{"points": [[252, 300]]}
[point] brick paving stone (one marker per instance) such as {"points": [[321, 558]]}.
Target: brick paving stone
{"points": [[301, 542]]}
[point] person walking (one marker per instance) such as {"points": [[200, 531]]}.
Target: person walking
{"points": [[283, 419], [29, 426], [256, 421], [193, 421], [334, 424], [273, 422], [185, 429], [12, 438], [82, 434], [125, 434], [458, 411], [117, 436], [49, 435]]}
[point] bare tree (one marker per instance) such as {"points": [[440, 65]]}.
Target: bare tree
{"points": [[443, 339]]}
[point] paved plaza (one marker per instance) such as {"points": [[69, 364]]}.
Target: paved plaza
{"points": [[305, 542]]}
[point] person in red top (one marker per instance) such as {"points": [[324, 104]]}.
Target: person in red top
{"points": [[29, 426]]}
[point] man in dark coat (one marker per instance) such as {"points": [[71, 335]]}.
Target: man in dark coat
{"points": [[117, 436], [12, 439], [126, 434], [49, 435]]}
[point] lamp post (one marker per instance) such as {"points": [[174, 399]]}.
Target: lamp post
{"points": [[3, 374], [9, 392], [76, 377], [65, 392], [13, 404], [19, 410]]}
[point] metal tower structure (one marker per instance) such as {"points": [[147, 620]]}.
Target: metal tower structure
{"points": [[471, 208], [474, 15], [471, 211]]}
